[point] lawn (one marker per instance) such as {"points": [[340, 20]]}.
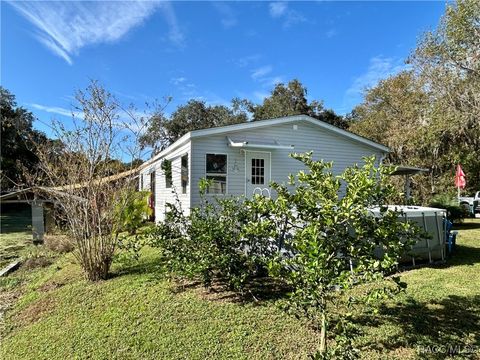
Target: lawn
{"points": [[140, 314]]}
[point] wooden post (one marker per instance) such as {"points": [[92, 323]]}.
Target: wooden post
{"points": [[49, 217], [38, 227], [407, 189]]}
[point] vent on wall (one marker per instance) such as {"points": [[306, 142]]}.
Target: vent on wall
{"points": [[295, 127]]}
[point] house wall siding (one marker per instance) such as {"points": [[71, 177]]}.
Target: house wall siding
{"points": [[165, 195], [324, 143]]}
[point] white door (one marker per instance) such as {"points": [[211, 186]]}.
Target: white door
{"points": [[258, 173]]}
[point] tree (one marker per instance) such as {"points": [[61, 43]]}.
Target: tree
{"points": [[194, 115], [317, 236], [448, 62], [18, 139], [291, 99], [395, 113], [429, 115], [331, 240], [79, 173]]}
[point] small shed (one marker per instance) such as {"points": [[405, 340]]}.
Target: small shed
{"points": [[42, 209]]}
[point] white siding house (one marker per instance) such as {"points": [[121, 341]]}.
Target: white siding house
{"points": [[242, 159]]}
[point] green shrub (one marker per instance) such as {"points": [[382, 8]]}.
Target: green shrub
{"points": [[455, 212], [320, 239], [213, 241], [131, 211], [332, 242]]}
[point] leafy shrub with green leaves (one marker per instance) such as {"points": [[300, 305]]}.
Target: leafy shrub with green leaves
{"points": [[131, 212], [449, 202], [332, 242], [213, 241], [317, 235]]}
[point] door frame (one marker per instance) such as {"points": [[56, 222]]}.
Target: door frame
{"points": [[246, 169]]}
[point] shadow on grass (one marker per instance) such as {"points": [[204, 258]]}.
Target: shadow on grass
{"points": [[449, 326], [470, 225], [151, 266], [259, 291], [464, 255]]}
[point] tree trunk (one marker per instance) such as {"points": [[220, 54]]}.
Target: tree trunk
{"points": [[323, 335]]}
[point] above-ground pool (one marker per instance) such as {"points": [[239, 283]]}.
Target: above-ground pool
{"points": [[432, 221]]}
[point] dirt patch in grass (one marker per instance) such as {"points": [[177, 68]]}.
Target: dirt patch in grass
{"points": [[37, 262], [7, 300], [58, 243], [216, 292], [50, 286], [260, 290], [36, 311]]}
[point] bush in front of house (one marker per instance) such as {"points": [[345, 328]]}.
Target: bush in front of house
{"points": [[214, 242], [333, 245], [317, 236]]}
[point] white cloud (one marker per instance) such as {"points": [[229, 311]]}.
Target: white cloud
{"points": [[176, 36], [259, 73], [228, 17], [277, 9], [178, 80], [186, 88], [274, 80], [57, 110], [379, 68], [124, 117], [331, 33], [65, 27], [280, 10], [260, 95], [247, 60], [263, 76]]}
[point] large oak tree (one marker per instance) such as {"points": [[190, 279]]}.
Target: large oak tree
{"points": [[430, 115], [18, 139]]}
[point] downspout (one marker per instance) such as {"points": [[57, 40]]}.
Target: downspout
{"points": [[245, 174]]}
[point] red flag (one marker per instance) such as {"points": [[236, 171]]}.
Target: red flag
{"points": [[460, 180]]}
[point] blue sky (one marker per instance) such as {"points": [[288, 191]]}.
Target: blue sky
{"points": [[212, 51]]}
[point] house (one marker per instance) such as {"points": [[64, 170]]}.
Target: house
{"points": [[242, 159]]}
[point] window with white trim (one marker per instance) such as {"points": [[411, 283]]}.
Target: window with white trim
{"points": [[216, 173], [184, 173], [258, 172]]}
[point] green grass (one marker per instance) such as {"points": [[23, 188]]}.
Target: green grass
{"points": [[15, 232], [136, 315], [440, 308]]}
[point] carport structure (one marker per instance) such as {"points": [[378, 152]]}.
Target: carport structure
{"points": [[408, 172], [42, 206]]}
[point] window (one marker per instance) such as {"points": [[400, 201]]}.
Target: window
{"points": [[184, 174], [258, 171], [152, 189], [216, 173], [167, 170]]}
